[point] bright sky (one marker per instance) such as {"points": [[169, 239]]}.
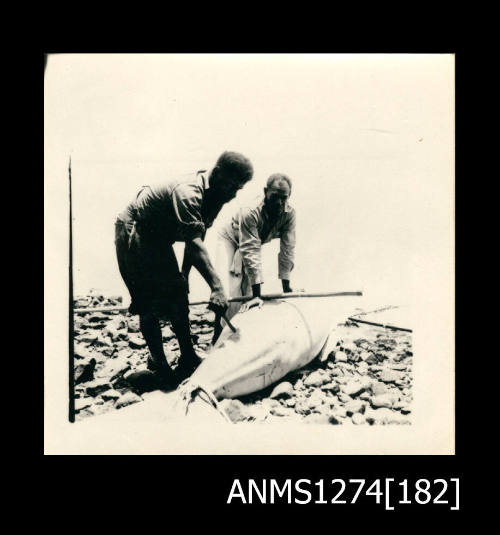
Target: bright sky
{"points": [[366, 139]]}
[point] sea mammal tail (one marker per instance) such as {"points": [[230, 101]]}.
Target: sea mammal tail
{"points": [[194, 399]]}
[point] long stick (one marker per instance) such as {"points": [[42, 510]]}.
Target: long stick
{"points": [[380, 325], [265, 297]]}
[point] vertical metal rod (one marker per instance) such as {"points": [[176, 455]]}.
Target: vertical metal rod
{"points": [[71, 378]]}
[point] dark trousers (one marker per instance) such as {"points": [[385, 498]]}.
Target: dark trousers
{"points": [[149, 268]]}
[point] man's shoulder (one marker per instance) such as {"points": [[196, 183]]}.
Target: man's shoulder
{"points": [[188, 185]]}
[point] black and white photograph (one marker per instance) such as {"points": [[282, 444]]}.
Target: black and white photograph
{"points": [[249, 253]]}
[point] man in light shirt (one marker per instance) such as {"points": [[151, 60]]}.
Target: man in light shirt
{"points": [[238, 256]]}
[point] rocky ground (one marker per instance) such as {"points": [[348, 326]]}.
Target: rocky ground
{"points": [[367, 379]]}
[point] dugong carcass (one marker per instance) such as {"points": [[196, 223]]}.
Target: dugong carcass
{"points": [[282, 336]]}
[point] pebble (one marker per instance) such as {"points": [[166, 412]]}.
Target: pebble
{"points": [[382, 400], [127, 399], [358, 419], [354, 406], [340, 356], [316, 378], [87, 338], [110, 395], [362, 367], [331, 387], [283, 390], [136, 342], [96, 387], [315, 400], [281, 411], [299, 385], [353, 388], [81, 404], [114, 368], [235, 410], [350, 347], [389, 376], [378, 388]]}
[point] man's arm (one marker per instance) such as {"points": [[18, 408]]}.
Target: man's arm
{"points": [[187, 260], [250, 248], [286, 255], [196, 254]]}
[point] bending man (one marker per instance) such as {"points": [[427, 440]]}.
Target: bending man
{"points": [[239, 245], [179, 210]]}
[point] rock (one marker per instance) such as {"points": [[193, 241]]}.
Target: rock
{"points": [[315, 400], [81, 404], [81, 302], [87, 338], [334, 419], [110, 395], [97, 386], [358, 419], [339, 412], [405, 410], [125, 353], [398, 405], [385, 416], [133, 327], [365, 396], [114, 368], [103, 342], [136, 342], [382, 400], [354, 406], [290, 402], [115, 334], [127, 399], [398, 367], [350, 347], [281, 411], [344, 398], [364, 355], [316, 378], [81, 352], [362, 367], [299, 385], [84, 373], [235, 410], [331, 387], [302, 407], [340, 356], [352, 388], [96, 317], [167, 334], [317, 419], [389, 376], [378, 388], [283, 390]]}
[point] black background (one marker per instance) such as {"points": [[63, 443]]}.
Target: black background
{"points": [[177, 492]]}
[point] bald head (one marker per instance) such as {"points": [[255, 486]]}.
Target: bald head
{"points": [[276, 194]]}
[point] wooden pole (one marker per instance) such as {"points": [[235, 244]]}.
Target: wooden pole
{"points": [[265, 297]]}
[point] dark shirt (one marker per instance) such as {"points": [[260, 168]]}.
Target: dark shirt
{"points": [[178, 210]]}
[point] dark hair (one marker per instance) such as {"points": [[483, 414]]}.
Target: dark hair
{"points": [[278, 177], [235, 164]]}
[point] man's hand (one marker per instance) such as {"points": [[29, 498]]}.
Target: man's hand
{"points": [[255, 302], [218, 302]]}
